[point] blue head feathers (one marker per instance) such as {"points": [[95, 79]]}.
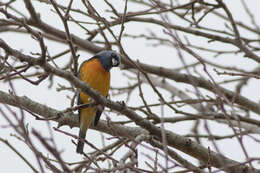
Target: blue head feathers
{"points": [[108, 59]]}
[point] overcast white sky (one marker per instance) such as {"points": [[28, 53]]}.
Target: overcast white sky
{"points": [[137, 50]]}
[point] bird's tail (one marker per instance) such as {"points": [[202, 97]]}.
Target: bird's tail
{"points": [[80, 146], [86, 117]]}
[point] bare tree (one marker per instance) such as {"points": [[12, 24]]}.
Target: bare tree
{"points": [[204, 90]]}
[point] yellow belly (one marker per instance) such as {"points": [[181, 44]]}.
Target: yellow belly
{"points": [[96, 76]]}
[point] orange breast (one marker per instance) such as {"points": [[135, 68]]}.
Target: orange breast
{"points": [[96, 76]]}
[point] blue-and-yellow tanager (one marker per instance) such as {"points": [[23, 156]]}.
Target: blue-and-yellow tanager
{"points": [[96, 72]]}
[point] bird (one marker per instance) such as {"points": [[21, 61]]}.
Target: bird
{"points": [[95, 72]]}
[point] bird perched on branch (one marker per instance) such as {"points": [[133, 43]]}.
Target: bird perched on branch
{"points": [[96, 72]]}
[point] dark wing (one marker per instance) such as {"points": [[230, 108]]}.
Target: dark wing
{"points": [[100, 109]]}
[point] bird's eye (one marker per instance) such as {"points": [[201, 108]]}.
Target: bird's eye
{"points": [[115, 62]]}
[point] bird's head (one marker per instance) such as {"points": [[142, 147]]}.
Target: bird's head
{"points": [[108, 59]]}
